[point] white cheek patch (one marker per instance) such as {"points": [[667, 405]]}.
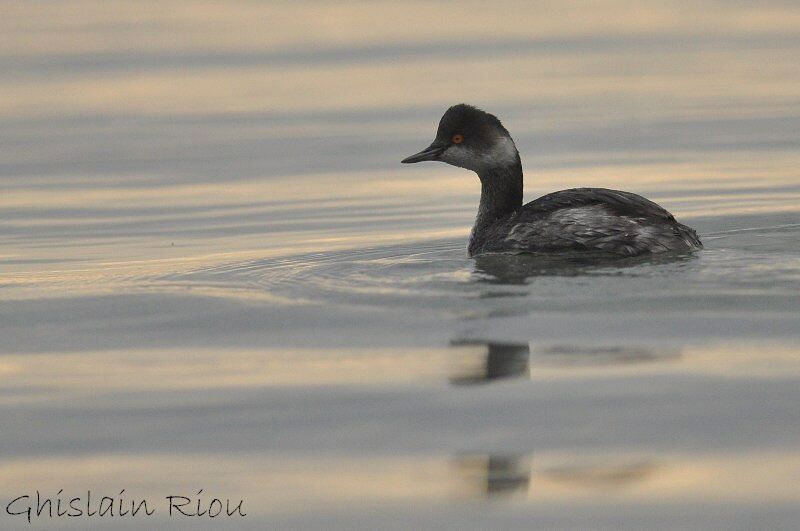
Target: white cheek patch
{"points": [[459, 156], [503, 153]]}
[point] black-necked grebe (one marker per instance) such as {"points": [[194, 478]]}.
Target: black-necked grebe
{"points": [[579, 219]]}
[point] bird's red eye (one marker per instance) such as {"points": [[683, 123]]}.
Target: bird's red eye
{"points": [[457, 139]]}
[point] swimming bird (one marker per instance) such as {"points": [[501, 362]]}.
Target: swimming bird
{"points": [[575, 220]]}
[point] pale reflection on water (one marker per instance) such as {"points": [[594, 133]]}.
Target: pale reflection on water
{"points": [[278, 486], [214, 272], [35, 379]]}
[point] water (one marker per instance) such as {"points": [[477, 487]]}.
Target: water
{"points": [[216, 275]]}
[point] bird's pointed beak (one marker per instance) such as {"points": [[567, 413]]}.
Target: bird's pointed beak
{"points": [[431, 152]]}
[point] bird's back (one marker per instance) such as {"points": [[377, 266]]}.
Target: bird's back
{"points": [[587, 219]]}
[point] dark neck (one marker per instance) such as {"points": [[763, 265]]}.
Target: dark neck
{"points": [[501, 195]]}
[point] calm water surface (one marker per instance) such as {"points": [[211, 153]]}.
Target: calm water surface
{"points": [[215, 274]]}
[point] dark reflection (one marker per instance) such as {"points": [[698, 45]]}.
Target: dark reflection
{"points": [[521, 268], [502, 360], [503, 475], [507, 474], [496, 475]]}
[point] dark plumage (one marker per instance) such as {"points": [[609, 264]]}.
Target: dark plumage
{"points": [[580, 219], [586, 219]]}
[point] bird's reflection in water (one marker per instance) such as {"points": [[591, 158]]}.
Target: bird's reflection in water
{"points": [[582, 355], [501, 360], [495, 475], [500, 475], [522, 268], [600, 476], [507, 475]]}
